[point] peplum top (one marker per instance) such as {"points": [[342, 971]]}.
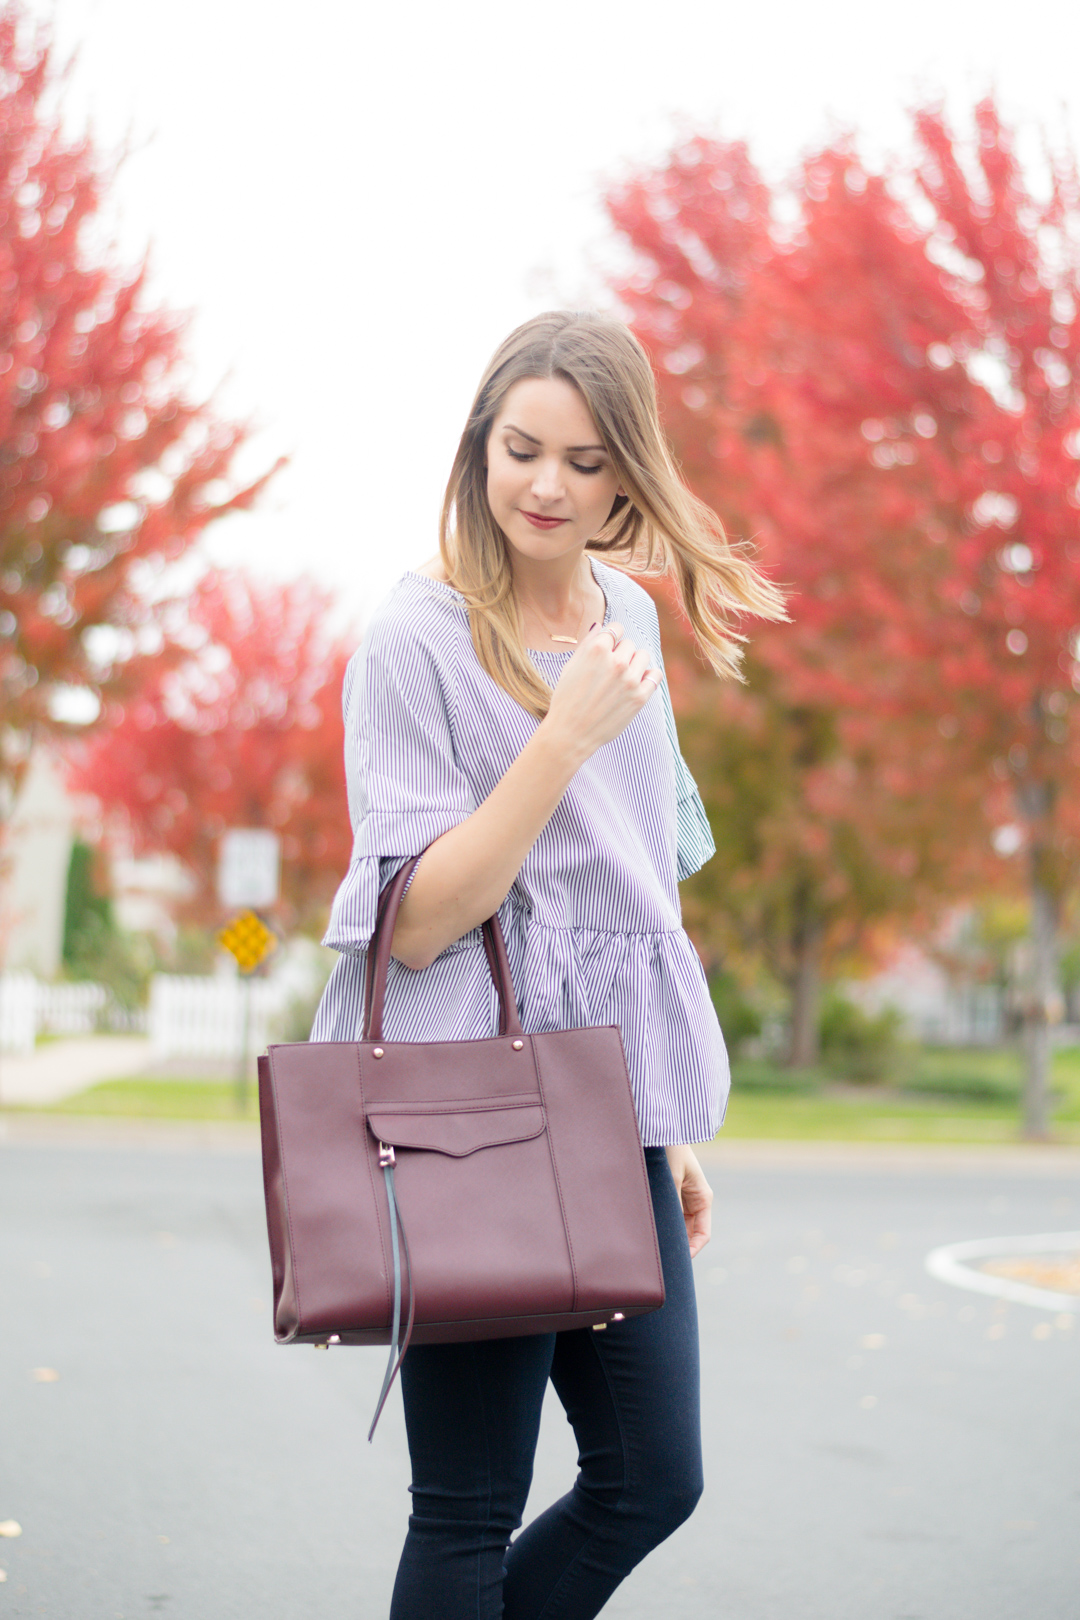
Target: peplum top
{"points": [[593, 923]]}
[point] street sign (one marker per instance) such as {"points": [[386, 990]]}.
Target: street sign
{"points": [[249, 866], [249, 940]]}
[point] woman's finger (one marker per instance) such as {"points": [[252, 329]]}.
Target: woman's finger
{"points": [[699, 1231], [696, 1198], [614, 630]]}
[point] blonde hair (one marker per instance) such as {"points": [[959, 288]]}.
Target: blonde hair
{"points": [[657, 528]]}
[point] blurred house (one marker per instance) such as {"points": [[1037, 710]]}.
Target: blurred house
{"points": [[147, 891], [36, 854], [938, 1007], [33, 882]]}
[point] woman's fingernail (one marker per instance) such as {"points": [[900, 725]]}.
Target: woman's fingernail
{"points": [[592, 626]]}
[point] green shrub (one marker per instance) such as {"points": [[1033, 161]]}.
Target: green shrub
{"points": [[88, 913], [94, 947], [858, 1045], [739, 1018], [295, 1019], [122, 962], [968, 1074]]}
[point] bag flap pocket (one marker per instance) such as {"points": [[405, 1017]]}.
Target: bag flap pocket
{"points": [[457, 1134]]}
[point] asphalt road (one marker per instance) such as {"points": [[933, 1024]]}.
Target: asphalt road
{"points": [[880, 1446]]}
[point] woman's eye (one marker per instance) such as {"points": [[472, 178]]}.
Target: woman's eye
{"points": [[530, 455]]}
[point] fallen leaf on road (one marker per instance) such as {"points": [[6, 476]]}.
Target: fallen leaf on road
{"points": [[45, 1375], [1063, 1275], [10, 1527]]}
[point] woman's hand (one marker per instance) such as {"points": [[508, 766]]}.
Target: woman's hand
{"points": [[466, 874], [695, 1195], [601, 689]]}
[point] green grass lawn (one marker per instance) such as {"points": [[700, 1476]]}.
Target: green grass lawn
{"points": [[944, 1095], [161, 1099], [812, 1117]]}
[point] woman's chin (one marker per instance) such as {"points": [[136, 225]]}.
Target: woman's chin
{"points": [[540, 545]]}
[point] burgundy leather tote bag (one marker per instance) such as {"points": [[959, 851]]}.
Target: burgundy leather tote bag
{"points": [[480, 1188]]}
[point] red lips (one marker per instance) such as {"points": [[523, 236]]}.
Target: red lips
{"points": [[539, 522]]}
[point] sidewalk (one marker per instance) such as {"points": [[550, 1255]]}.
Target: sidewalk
{"points": [[969, 1158], [58, 1069], [1024, 1160]]}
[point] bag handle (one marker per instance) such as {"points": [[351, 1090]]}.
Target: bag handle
{"points": [[378, 961]]}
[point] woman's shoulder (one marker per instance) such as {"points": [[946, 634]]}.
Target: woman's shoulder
{"points": [[627, 599], [420, 611], [418, 632], [434, 568]]}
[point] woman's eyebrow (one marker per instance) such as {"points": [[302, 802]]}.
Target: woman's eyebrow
{"points": [[574, 449]]}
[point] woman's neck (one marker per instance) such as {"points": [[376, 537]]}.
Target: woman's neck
{"points": [[557, 587], [557, 599]]}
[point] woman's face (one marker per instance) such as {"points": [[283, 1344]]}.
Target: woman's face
{"points": [[550, 482]]}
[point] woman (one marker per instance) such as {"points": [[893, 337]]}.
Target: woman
{"points": [[507, 714]]}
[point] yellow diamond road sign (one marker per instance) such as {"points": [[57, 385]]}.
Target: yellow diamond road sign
{"points": [[248, 939]]}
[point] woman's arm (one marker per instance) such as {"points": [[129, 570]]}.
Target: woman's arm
{"points": [[466, 874], [695, 1195]]}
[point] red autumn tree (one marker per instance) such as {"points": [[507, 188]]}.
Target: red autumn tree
{"points": [[885, 398], [247, 732], [782, 353], [108, 470], [1008, 660]]}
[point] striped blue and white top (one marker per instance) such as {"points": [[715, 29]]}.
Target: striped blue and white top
{"points": [[592, 923]]}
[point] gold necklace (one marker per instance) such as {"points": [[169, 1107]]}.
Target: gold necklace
{"points": [[571, 641]]}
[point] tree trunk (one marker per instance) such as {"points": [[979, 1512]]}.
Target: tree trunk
{"points": [[805, 998], [1042, 1010]]}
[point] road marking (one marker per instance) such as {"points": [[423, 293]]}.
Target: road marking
{"points": [[947, 1265]]}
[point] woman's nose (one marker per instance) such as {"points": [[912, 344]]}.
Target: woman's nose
{"points": [[547, 483]]}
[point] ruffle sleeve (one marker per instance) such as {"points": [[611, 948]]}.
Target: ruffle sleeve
{"points": [[405, 785], [694, 843]]}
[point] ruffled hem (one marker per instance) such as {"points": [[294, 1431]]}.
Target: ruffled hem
{"points": [[650, 986]]}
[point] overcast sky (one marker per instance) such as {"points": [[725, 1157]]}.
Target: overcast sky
{"points": [[359, 201]]}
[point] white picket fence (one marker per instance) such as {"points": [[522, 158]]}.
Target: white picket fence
{"points": [[204, 1017], [29, 1008], [188, 1017], [18, 1012], [70, 1009]]}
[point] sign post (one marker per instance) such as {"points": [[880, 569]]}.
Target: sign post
{"points": [[249, 869]]}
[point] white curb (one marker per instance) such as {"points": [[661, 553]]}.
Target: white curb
{"points": [[946, 1264]]}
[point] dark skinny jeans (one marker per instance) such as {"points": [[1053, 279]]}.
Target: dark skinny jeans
{"points": [[473, 1415]]}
